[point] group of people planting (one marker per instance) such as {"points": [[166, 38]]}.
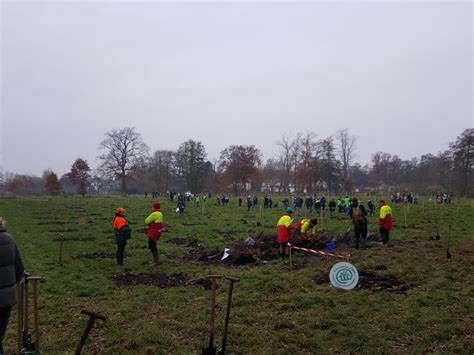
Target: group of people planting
{"points": [[356, 212], [305, 227], [122, 230]]}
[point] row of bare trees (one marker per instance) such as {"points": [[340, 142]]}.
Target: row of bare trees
{"points": [[304, 164]]}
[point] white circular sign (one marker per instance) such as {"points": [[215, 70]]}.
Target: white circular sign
{"points": [[344, 275]]}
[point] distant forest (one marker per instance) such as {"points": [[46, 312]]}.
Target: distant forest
{"points": [[304, 165]]}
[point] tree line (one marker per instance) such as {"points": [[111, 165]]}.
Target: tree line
{"points": [[304, 164]]}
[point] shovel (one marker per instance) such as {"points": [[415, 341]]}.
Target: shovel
{"points": [[211, 349], [227, 315], [448, 253]]}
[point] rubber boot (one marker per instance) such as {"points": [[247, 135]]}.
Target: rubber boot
{"points": [[155, 257]]}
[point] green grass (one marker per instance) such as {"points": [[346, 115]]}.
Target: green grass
{"points": [[274, 311]]}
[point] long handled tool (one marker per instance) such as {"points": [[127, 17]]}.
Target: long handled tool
{"points": [[92, 317], [211, 349], [448, 253], [25, 343], [227, 315]]}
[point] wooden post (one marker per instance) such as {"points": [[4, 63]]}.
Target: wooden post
{"points": [[61, 240], [322, 217], [405, 214], [291, 259], [35, 315], [20, 295]]}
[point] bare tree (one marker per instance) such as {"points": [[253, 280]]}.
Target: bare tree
{"points": [[191, 164], [123, 149], [286, 148], [346, 150], [307, 154], [161, 170]]}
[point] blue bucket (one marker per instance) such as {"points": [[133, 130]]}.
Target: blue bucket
{"points": [[331, 246]]}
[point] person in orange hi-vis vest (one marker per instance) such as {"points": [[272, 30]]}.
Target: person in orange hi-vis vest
{"points": [[122, 233]]}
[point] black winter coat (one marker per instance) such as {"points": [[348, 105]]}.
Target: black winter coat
{"points": [[11, 269]]}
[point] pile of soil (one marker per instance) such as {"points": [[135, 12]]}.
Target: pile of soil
{"points": [[373, 282], [150, 279], [264, 248], [75, 239]]}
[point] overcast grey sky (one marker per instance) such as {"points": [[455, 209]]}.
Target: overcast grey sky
{"points": [[397, 74]]}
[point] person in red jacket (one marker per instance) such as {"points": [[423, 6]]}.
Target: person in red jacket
{"points": [[284, 227], [385, 221], [155, 227]]}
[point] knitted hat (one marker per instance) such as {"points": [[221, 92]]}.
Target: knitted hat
{"points": [[156, 206], [119, 210]]}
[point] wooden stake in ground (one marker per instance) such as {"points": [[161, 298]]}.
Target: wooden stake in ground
{"points": [[321, 211], [232, 280], [211, 349], [291, 259], [405, 214], [61, 240], [448, 253]]}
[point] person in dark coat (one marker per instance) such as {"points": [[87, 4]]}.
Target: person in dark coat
{"points": [[358, 214], [11, 272], [371, 207], [332, 207]]}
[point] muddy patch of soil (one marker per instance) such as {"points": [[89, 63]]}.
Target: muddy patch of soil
{"points": [[96, 255], [72, 239], [45, 223], [206, 283], [373, 282], [69, 230], [150, 279], [184, 241]]}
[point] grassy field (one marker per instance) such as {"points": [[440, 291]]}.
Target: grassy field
{"points": [[274, 311]]}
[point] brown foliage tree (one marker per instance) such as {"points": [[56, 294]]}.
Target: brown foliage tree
{"points": [[79, 175], [51, 183], [240, 165]]}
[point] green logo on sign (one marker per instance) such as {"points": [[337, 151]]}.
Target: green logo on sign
{"points": [[344, 276]]}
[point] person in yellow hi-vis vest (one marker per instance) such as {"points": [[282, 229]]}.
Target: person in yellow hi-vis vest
{"points": [[385, 221], [307, 227], [284, 227], [155, 227]]}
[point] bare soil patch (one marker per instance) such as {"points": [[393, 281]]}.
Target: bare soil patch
{"points": [[75, 239], [96, 255], [69, 230], [373, 282], [150, 279]]}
